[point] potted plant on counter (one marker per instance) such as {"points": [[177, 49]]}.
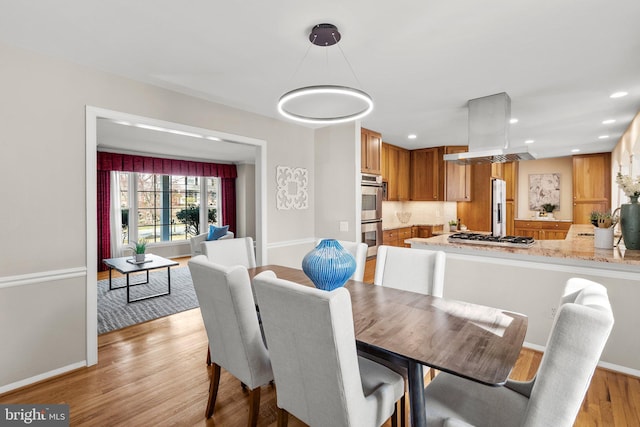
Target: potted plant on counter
{"points": [[453, 225], [548, 208], [603, 231]]}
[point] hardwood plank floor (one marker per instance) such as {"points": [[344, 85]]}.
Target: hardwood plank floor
{"points": [[155, 373]]}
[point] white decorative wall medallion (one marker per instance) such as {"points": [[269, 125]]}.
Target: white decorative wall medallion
{"points": [[292, 188]]}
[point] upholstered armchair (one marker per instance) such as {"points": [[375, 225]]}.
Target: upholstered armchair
{"points": [[196, 242]]}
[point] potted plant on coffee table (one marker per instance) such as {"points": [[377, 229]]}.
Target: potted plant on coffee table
{"points": [[140, 249]]}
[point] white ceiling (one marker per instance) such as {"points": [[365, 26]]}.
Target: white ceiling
{"points": [[420, 60]]}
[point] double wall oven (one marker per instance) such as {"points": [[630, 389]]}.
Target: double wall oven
{"points": [[371, 217]]}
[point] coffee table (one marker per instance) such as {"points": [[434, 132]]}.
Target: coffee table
{"points": [[127, 265]]}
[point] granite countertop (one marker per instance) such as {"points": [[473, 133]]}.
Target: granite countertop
{"points": [[407, 225], [577, 249], [543, 219]]}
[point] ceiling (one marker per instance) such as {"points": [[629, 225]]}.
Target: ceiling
{"points": [[420, 60]]}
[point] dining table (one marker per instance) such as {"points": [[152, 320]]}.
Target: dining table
{"points": [[409, 330]]}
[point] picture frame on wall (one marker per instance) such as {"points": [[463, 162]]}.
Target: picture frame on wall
{"points": [[544, 189]]}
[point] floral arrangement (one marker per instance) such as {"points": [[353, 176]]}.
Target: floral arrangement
{"points": [[630, 186]]}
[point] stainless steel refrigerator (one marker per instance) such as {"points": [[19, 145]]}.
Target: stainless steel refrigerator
{"points": [[498, 207]]}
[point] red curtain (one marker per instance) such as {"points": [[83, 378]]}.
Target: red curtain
{"points": [[107, 162], [228, 208], [104, 200]]}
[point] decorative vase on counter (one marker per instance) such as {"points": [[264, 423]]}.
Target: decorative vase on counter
{"points": [[630, 223], [329, 265]]}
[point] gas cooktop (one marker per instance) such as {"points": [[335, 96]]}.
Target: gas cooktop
{"points": [[487, 239]]}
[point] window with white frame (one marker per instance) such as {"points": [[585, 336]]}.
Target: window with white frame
{"points": [[164, 208]]}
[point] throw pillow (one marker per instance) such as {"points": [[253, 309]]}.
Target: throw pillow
{"points": [[217, 232]]}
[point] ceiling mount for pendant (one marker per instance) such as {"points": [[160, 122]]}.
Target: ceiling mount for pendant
{"points": [[325, 104], [324, 35]]}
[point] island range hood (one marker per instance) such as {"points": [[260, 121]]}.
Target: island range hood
{"points": [[489, 133]]}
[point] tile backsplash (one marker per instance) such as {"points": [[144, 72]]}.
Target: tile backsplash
{"points": [[420, 213]]}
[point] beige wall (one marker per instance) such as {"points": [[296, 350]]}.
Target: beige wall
{"points": [[43, 233], [561, 165]]}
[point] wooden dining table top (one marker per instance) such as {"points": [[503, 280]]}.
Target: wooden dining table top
{"points": [[469, 340]]}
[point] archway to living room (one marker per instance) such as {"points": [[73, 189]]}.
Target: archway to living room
{"points": [[123, 133]]}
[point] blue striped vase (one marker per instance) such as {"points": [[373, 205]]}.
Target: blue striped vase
{"points": [[329, 265]]}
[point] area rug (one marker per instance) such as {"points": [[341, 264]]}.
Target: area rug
{"points": [[114, 312]]}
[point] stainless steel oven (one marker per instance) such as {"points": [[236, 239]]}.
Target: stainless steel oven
{"points": [[371, 197], [372, 236], [371, 216]]}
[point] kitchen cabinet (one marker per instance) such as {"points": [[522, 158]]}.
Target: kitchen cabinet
{"points": [[427, 174], [396, 236], [370, 151], [591, 185], [395, 171], [476, 214], [457, 177], [426, 231], [542, 229], [510, 175]]}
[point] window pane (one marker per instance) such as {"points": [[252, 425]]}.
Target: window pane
{"points": [[212, 200]]}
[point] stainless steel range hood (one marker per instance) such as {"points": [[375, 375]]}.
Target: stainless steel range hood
{"points": [[489, 133]]}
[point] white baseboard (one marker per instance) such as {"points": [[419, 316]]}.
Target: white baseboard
{"points": [[43, 376], [601, 364]]}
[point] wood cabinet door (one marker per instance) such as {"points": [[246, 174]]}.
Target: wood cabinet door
{"points": [[404, 167], [425, 174], [370, 151], [591, 185], [392, 183], [384, 162], [457, 177]]}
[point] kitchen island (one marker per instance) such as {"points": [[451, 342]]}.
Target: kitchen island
{"points": [[531, 280]]}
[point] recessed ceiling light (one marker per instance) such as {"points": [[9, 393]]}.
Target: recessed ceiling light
{"points": [[608, 121], [529, 141], [412, 136], [513, 120], [603, 137], [575, 150], [619, 94]]}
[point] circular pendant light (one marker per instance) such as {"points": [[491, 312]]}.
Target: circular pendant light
{"points": [[325, 104]]}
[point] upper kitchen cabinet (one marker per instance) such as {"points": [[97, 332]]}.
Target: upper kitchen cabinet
{"points": [[427, 174], [591, 185], [395, 171], [370, 151], [457, 177]]}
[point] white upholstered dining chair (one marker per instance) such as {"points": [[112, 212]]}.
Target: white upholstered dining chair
{"points": [[415, 270], [409, 269], [238, 251], [319, 377], [230, 252], [230, 319], [359, 252], [553, 397]]}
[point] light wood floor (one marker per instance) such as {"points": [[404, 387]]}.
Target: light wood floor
{"points": [[154, 373]]}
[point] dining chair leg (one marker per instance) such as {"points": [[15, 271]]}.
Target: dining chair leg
{"points": [[404, 422], [213, 390], [283, 418], [254, 406], [208, 356]]}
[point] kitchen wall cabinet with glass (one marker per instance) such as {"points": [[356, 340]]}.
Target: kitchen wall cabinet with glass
{"points": [[395, 172], [591, 185], [370, 151]]}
